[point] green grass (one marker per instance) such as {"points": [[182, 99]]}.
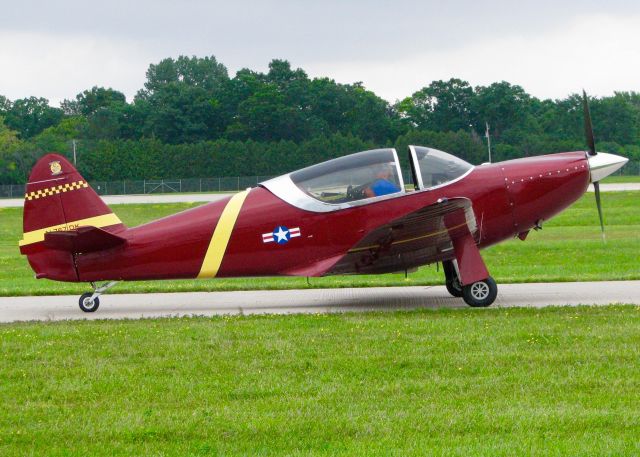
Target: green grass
{"points": [[497, 382], [621, 179], [569, 248]]}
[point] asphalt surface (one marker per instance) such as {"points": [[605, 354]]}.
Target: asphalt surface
{"points": [[188, 198], [136, 306]]}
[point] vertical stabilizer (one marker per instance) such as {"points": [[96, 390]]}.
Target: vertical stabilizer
{"points": [[58, 198]]}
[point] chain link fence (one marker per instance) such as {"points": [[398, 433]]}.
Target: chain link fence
{"points": [[167, 186], [156, 186], [194, 185]]}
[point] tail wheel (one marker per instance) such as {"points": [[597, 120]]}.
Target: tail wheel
{"points": [[480, 294], [86, 304]]}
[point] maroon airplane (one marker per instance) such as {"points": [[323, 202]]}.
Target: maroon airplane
{"points": [[351, 215]]}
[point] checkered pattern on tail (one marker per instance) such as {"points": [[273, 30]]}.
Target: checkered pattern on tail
{"points": [[49, 191]]}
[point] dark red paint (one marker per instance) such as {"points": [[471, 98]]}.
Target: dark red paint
{"points": [[507, 199]]}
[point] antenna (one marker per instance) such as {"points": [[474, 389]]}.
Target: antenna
{"points": [[488, 137]]}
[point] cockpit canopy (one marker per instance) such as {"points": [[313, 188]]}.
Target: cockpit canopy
{"points": [[432, 167], [365, 177], [358, 176]]}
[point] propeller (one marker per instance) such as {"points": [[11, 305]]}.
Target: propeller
{"points": [[588, 127], [588, 133]]}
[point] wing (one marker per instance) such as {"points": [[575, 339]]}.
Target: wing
{"points": [[422, 237]]}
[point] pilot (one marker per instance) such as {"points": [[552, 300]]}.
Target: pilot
{"points": [[382, 184]]}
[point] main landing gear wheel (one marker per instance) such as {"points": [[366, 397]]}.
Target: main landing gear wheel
{"points": [[480, 294], [86, 304]]}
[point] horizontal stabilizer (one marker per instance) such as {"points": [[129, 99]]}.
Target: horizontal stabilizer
{"points": [[82, 239]]}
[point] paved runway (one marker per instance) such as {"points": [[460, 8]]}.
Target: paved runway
{"points": [[134, 306], [616, 187], [143, 198], [204, 197]]}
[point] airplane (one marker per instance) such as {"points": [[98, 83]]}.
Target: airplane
{"points": [[350, 215]]}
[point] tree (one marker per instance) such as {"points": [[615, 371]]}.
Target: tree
{"points": [[369, 116], [281, 74], [5, 105], [30, 116], [11, 148], [90, 101], [266, 116], [617, 118], [58, 138], [181, 99], [502, 105], [205, 73], [441, 106], [8, 144], [274, 106]]}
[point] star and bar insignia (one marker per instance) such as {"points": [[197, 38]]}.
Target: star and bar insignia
{"points": [[281, 234]]}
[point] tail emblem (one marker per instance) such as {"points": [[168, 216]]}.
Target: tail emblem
{"points": [[55, 167]]}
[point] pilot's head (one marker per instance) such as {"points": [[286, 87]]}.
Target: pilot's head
{"points": [[384, 171]]}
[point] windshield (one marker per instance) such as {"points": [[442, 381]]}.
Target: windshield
{"points": [[358, 176], [434, 167]]}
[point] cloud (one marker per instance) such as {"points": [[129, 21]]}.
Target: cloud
{"points": [[597, 52], [59, 67], [550, 52]]}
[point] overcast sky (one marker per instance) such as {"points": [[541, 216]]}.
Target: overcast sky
{"points": [[56, 49]]}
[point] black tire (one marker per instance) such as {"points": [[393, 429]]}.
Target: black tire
{"points": [[452, 282], [480, 294], [454, 288], [86, 305]]}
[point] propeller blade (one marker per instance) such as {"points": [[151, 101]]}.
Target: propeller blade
{"points": [[596, 187], [588, 127]]}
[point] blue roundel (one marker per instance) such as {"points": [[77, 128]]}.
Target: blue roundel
{"points": [[281, 234]]}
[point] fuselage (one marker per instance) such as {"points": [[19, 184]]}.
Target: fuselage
{"points": [[508, 198]]}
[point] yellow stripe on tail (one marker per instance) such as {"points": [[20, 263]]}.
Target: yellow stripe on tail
{"points": [[35, 236]]}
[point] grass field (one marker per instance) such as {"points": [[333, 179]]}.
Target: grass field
{"points": [[621, 179], [496, 382], [569, 248]]}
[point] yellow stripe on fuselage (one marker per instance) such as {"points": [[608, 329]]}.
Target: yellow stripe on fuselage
{"points": [[221, 235], [98, 221], [408, 240]]}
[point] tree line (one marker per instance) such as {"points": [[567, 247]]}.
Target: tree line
{"points": [[191, 119]]}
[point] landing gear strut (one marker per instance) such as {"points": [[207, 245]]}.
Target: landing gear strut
{"points": [[89, 301], [452, 281]]}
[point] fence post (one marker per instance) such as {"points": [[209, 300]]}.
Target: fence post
{"points": [[238, 184], [218, 183]]}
